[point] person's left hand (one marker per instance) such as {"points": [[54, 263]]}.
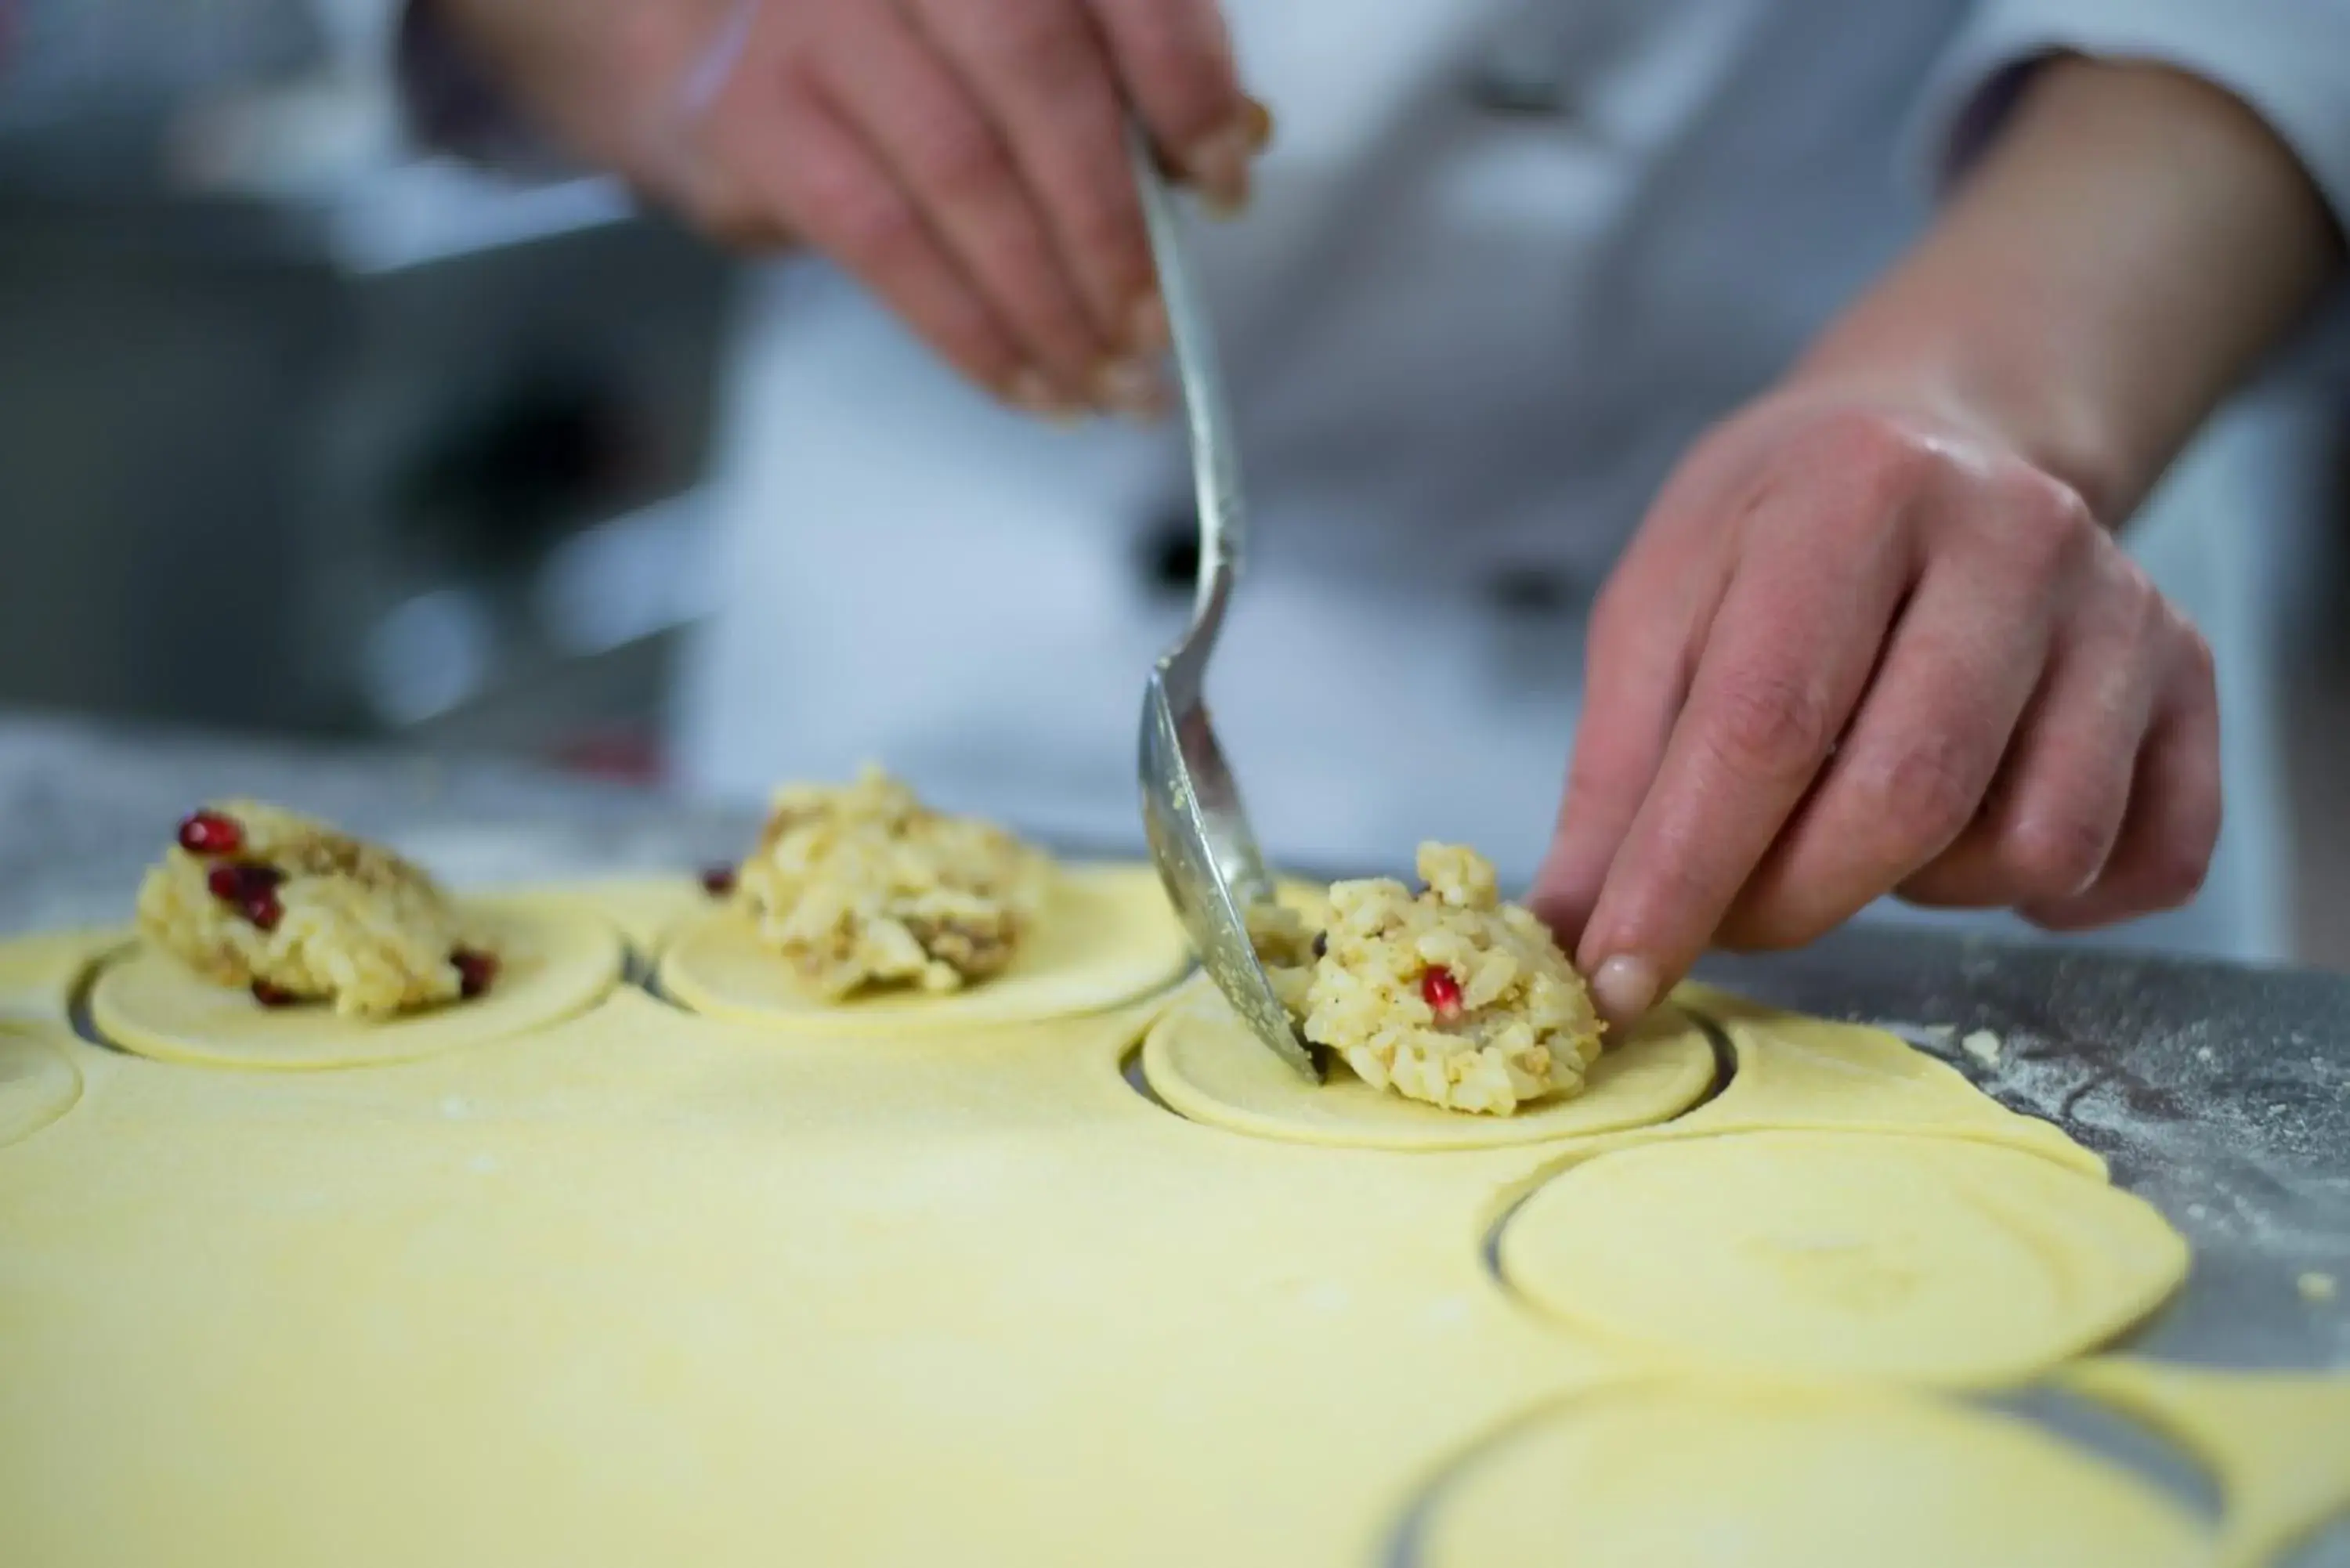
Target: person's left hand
{"points": [[1861, 647]]}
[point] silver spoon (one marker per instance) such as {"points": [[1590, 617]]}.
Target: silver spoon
{"points": [[1191, 811]]}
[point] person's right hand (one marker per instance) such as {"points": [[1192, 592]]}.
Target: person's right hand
{"points": [[964, 157]]}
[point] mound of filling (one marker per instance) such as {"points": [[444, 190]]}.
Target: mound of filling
{"points": [[1449, 995], [294, 911], [862, 885]]}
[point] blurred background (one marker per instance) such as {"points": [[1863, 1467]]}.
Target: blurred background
{"points": [[306, 437]]}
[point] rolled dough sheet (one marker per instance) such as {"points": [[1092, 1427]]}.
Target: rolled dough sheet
{"points": [[1795, 1071], [1203, 1062], [635, 1286], [2279, 1443], [1646, 1476], [1923, 1260], [39, 974], [647, 909], [640, 1288], [39, 1082], [554, 960], [1107, 936]]}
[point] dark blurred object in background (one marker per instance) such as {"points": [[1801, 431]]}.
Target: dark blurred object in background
{"points": [[301, 431]]}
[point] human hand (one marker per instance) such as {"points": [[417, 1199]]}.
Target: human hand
{"points": [[966, 159], [1860, 647]]}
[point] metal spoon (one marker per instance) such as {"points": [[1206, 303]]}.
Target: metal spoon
{"points": [[1191, 811]]}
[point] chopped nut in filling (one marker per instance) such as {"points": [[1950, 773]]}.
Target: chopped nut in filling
{"points": [[861, 885], [1450, 996], [255, 897]]}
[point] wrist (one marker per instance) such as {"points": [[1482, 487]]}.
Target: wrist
{"points": [[2116, 261]]}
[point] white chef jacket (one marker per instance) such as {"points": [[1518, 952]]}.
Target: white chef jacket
{"points": [[1506, 262]]}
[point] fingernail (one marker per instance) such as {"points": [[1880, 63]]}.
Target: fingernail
{"points": [[1145, 325], [1132, 387], [1258, 118], [1218, 162], [1623, 988]]}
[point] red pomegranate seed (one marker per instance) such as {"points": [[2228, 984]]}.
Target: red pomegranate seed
{"points": [[1442, 991], [210, 833], [262, 908], [269, 995], [718, 881], [240, 884], [474, 971]]}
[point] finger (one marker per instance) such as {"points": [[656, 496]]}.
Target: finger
{"points": [[1920, 754], [2055, 809], [847, 205], [1040, 71], [1783, 666], [891, 86], [1635, 677], [2173, 825], [1175, 58]]}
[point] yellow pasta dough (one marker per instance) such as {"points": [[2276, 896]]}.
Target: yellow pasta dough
{"points": [[1933, 1260], [554, 961], [1104, 936], [2278, 1441], [1203, 1062], [1795, 1071], [38, 1084], [635, 1286], [1688, 1476]]}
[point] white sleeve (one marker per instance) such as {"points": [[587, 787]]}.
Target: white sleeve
{"points": [[2287, 60]]}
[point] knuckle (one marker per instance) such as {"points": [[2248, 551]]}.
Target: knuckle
{"points": [[2048, 532], [2195, 654], [1927, 793], [2050, 502], [2056, 854], [1771, 726], [1875, 451]]}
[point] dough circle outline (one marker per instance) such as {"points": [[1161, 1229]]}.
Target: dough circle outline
{"points": [[1107, 936], [39, 1082], [554, 962], [1669, 1472], [1201, 1060], [1936, 1260]]}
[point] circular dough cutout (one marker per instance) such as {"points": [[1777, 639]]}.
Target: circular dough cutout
{"points": [[1657, 1474], [38, 1084], [553, 961], [1203, 1062], [1927, 1259], [1107, 935]]}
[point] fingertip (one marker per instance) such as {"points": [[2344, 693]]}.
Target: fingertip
{"points": [[1031, 392], [1133, 388], [1624, 988], [1218, 164]]}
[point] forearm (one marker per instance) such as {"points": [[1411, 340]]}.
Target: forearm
{"points": [[2124, 254]]}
